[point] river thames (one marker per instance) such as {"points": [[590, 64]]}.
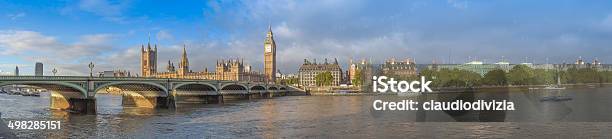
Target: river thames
{"points": [[588, 114]]}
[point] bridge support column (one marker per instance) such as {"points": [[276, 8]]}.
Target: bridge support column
{"points": [[84, 106], [215, 99], [162, 102], [147, 101], [235, 97], [58, 101], [254, 96], [76, 105], [264, 95], [171, 100]]}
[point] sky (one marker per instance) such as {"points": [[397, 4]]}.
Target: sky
{"points": [[68, 34]]}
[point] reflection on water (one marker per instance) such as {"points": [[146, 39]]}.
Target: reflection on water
{"points": [[328, 116]]}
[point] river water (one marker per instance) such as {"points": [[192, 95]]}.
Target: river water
{"points": [[588, 114]]}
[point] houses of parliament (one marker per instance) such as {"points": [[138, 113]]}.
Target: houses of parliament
{"points": [[232, 69]]}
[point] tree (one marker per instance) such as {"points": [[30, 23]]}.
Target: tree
{"points": [[542, 76], [495, 77], [588, 75], [357, 81], [468, 78], [520, 75], [324, 78], [451, 78], [289, 81]]}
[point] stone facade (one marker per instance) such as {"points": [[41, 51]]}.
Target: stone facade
{"points": [[232, 70], [148, 60], [270, 56], [399, 69], [309, 70]]}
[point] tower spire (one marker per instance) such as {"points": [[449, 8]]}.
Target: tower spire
{"points": [[184, 52], [184, 60], [269, 28], [149, 43], [184, 65]]}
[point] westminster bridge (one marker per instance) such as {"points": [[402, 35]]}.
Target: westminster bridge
{"points": [[77, 93]]}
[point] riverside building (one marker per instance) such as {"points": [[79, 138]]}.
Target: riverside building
{"points": [[232, 69], [399, 69], [309, 70], [482, 68]]}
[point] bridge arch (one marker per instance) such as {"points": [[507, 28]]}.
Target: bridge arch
{"points": [[272, 88], [60, 87], [258, 87], [157, 87], [234, 86], [206, 86]]}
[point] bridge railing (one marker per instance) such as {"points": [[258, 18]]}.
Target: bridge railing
{"points": [[89, 78], [84, 78], [41, 77]]}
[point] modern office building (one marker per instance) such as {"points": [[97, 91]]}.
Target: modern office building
{"points": [[38, 69], [16, 70]]}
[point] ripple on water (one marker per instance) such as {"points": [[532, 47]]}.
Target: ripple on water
{"points": [[296, 117]]}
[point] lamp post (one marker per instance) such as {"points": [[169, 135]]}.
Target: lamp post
{"points": [[91, 66], [54, 71]]}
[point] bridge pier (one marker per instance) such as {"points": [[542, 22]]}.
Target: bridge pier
{"points": [[256, 95], [162, 102], [84, 106], [131, 100], [171, 101], [215, 99], [76, 105], [207, 99], [236, 97]]}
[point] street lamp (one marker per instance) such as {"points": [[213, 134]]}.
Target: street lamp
{"points": [[54, 71], [91, 66]]}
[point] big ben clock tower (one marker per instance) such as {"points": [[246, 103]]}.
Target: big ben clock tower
{"points": [[270, 57]]}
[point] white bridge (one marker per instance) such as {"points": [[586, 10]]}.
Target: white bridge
{"points": [[77, 93]]}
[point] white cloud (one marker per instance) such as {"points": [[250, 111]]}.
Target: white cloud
{"points": [[109, 10], [101, 7], [67, 57], [16, 15], [568, 40], [14, 42], [459, 4], [606, 23], [325, 29], [283, 30], [96, 39], [164, 35]]}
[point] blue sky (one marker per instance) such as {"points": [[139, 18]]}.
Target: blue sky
{"points": [[68, 34]]}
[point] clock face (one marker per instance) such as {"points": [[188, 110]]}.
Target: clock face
{"points": [[268, 48]]}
